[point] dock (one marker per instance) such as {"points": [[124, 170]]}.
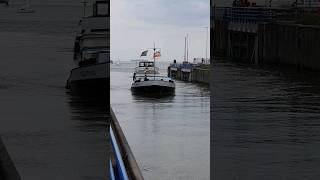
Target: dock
{"points": [[190, 72]]}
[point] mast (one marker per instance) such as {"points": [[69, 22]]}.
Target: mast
{"points": [[207, 43], [187, 48], [154, 61]]}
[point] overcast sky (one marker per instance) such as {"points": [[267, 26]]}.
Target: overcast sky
{"points": [[137, 24]]}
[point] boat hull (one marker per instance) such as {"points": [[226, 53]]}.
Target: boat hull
{"points": [[93, 80], [153, 88]]}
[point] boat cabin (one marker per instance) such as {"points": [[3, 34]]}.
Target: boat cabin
{"points": [[93, 56], [146, 67], [146, 64]]}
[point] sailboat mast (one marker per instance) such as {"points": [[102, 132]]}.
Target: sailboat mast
{"points": [[154, 61], [187, 48]]}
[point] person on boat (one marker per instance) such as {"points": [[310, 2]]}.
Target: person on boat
{"points": [[145, 77], [134, 76]]}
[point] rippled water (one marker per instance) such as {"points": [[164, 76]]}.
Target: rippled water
{"points": [[168, 136], [266, 123], [49, 133]]}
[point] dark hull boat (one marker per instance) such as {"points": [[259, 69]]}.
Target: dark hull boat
{"points": [[153, 88], [147, 80], [90, 80]]}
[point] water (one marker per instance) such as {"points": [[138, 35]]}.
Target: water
{"points": [[49, 133], [169, 136], [265, 123]]}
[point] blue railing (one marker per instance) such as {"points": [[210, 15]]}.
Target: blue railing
{"points": [[118, 171], [123, 164]]}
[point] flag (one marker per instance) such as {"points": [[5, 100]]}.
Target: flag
{"points": [[144, 53], [157, 54]]}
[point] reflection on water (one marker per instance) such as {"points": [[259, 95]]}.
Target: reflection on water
{"points": [[169, 136], [49, 133], [265, 124]]}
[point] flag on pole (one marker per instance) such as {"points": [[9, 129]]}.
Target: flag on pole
{"points": [[157, 54], [144, 53]]}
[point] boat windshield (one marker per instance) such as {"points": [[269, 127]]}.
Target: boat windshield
{"points": [[146, 64], [92, 54]]}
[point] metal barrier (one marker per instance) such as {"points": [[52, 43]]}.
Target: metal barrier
{"points": [[124, 165], [117, 172], [256, 15], [247, 15]]}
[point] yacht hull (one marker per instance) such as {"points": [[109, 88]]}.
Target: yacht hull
{"points": [[92, 80], [152, 87]]}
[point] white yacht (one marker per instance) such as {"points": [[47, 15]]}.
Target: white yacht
{"points": [[92, 53], [148, 81]]}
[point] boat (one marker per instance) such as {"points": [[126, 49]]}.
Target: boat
{"points": [[91, 76], [26, 8], [148, 81]]}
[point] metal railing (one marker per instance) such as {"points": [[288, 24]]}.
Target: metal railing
{"points": [[123, 166], [248, 15], [256, 15], [117, 172]]}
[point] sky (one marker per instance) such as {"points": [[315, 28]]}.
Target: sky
{"points": [[137, 24]]}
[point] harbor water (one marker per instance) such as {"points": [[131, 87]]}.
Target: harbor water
{"points": [[48, 133], [169, 136], [265, 123]]}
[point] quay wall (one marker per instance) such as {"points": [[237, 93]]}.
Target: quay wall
{"points": [[200, 75], [196, 73], [289, 44], [281, 44]]}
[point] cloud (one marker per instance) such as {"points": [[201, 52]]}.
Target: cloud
{"points": [[137, 24], [171, 12]]}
